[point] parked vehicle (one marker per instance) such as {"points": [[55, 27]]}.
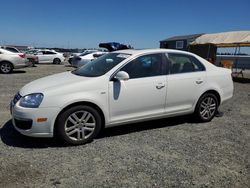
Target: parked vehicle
{"points": [[32, 51], [10, 61], [119, 88], [32, 58], [86, 57], [78, 54], [72, 56], [49, 56]]}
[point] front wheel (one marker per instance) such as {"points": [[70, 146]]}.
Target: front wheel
{"points": [[78, 124], [6, 67], [56, 61], [206, 107]]}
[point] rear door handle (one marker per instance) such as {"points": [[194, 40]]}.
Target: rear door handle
{"points": [[160, 86], [199, 81]]}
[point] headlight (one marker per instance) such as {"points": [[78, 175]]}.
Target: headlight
{"points": [[31, 100]]}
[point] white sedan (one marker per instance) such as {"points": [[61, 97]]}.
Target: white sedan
{"points": [[10, 60], [121, 87], [86, 57], [49, 56]]}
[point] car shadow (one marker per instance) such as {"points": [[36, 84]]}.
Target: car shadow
{"points": [[16, 72], [242, 80], [146, 125], [11, 137]]}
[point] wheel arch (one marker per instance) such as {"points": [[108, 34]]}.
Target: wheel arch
{"points": [[57, 58], [216, 93], [93, 105], [6, 61], [11, 64]]}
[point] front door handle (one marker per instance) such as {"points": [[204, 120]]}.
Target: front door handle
{"points": [[160, 86]]}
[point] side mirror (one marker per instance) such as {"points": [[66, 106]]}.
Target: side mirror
{"points": [[121, 75]]}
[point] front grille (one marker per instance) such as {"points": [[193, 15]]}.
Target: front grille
{"points": [[24, 124], [17, 97]]}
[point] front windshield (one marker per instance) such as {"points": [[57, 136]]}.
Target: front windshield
{"points": [[101, 65]]}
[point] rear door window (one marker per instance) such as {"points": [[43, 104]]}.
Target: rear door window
{"points": [[183, 63]]}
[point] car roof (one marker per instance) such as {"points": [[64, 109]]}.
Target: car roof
{"points": [[145, 51]]}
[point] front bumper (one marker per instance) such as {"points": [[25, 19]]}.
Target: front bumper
{"points": [[25, 120]]}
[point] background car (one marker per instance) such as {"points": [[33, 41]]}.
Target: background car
{"points": [[49, 56], [120, 87], [72, 56], [32, 58], [10, 60], [32, 51], [86, 57], [78, 54]]}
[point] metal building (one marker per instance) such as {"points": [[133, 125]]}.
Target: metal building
{"points": [[179, 42]]}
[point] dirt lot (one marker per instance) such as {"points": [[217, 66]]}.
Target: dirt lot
{"points": [[166, 153]]}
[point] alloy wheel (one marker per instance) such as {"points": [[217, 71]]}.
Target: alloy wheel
{"points": [[6, 67], [80, 125], [208, 108]]}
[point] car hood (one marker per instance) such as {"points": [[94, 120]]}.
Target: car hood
{"points": [[53, 82]]}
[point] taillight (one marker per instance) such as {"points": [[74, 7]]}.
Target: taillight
{"points": [[22, 55]]}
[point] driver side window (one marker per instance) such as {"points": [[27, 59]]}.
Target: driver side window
{"points": [[145, 66]]}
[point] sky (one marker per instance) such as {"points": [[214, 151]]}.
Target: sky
{"points": [[140, 23]]}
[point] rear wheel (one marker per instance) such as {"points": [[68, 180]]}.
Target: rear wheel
{"points": [[206, 107], [56, 61], [6, 67], [78, 124]]}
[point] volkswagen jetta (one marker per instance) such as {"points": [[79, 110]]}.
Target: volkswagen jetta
{"points": [[119, 88]]}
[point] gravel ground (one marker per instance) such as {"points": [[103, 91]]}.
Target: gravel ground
{"points": [[173, 152]]}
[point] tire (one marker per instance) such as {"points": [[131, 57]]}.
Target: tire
{"points": [[56, 61], [6, 67], [78, 125], [206, 107]]}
